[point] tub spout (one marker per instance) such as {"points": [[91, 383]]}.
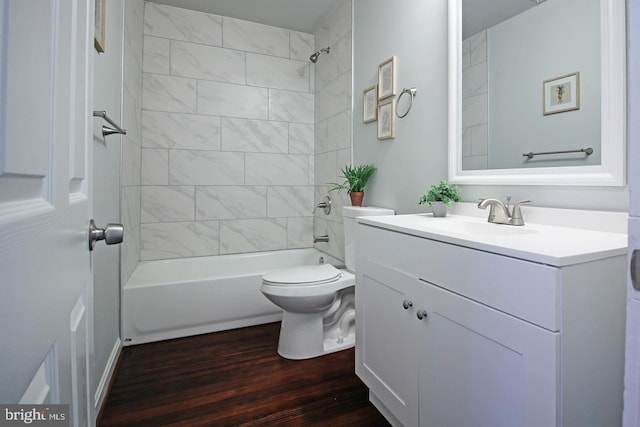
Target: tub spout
{"points": [[324, 238]]}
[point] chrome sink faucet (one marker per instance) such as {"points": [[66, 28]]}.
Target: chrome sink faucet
{"points": [[499, 213]]}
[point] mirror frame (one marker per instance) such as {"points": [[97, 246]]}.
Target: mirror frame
{"points": [[611, 171]]}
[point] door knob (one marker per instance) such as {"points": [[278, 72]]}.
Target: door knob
{"points": [[111, 234]]}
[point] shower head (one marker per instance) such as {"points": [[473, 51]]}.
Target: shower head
{"points": [[314, 58]]}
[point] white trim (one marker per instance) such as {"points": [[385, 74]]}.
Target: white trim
{"points": [[109, 370], [612, 171]]}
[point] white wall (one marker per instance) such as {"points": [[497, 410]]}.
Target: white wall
{"points": [[227, 136], [415, 31]]}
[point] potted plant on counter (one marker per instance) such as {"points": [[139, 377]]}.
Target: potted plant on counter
{"points": [[356, 179], [440, 197]]}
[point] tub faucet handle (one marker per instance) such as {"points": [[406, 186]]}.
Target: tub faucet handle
{"points": [[325, 205]]}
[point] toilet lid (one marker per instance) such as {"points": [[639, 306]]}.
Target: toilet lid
{"points": [[305, 275]]}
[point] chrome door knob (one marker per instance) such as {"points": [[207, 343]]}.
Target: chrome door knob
{"points": [[406, 304], [111, 234], [421, 314]]}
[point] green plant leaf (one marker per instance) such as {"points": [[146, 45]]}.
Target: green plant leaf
{"points": [[356, 178], [443, 192]]}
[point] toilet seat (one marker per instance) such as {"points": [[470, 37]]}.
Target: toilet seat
{"points": [[303, 276]]}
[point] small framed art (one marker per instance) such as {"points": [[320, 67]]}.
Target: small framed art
{"points": [[370, 101], [387, 119], [387, 78], [561, 94]]}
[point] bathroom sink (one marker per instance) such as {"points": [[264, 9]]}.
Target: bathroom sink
{"points": [[548, 244], [485, 229]]}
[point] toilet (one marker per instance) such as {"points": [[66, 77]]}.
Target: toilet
{"points": [[318, 300]]}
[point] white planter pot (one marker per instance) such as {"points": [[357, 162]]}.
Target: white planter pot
{"points": [[439, 209]]}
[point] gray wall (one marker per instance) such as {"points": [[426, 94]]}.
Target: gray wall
{"points": [[417, 157], [107, 95], [544, 42], [415, 31]]}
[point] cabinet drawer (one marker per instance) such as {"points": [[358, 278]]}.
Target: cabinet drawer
{"points": [[524, 289]]}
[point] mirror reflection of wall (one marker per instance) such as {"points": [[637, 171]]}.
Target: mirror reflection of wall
{"points": [[504, 66]]}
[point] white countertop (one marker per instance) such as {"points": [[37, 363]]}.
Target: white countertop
{"points": [[545, 244]]}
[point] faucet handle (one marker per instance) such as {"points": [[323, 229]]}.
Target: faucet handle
{"points": [[522, 202], [516, 216], [325, 205]]}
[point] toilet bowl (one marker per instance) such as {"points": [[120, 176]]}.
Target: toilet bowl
{"points": [[318, 301]]}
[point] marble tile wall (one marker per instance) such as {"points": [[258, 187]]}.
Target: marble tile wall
{"points": [[132, 142], [475, 103], [332, 122], [228, 115]]}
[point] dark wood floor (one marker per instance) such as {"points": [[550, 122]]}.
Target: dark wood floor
{"points": [[235, 378]]}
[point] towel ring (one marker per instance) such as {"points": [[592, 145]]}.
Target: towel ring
{"points": [[411, 91]]}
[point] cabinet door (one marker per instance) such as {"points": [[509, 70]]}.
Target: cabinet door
{"points": [[385, 339], [482, 367]]}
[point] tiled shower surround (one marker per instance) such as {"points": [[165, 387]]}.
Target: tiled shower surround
{"points": [[228, 124], [475, 104], [131, 144], [333, 121]]}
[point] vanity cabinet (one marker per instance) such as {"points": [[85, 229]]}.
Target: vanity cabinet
{"points": [[454, 336]]}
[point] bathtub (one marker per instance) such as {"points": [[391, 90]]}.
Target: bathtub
{"points": [[175, 298]]}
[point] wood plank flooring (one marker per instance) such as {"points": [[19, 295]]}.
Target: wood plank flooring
{"points": [[235, 378]]}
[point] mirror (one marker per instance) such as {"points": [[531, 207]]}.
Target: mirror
{"points": [[504, 66]]}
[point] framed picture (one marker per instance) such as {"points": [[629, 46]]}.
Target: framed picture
{"points": [[100, 16], [370, 101], [561, 94], [387, 119], [387, 78]]}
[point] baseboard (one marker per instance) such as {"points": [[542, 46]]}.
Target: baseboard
{"points": [[107, 375], [383, 410]]}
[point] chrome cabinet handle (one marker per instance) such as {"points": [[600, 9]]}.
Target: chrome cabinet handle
{"points": [[421, 314], [406, 304], [111, 234]]}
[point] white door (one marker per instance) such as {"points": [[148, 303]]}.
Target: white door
{"points": [[45, 203], [480, 367], [632, 365], [386, 358]]}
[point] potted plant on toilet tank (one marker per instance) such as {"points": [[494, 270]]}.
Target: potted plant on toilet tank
{"points": [[356, 179], [440, 197]]}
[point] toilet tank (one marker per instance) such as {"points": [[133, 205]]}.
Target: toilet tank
{"points": [[349, 215]]}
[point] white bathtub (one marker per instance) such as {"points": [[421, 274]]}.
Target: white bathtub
{"points": [[180, 297]]}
